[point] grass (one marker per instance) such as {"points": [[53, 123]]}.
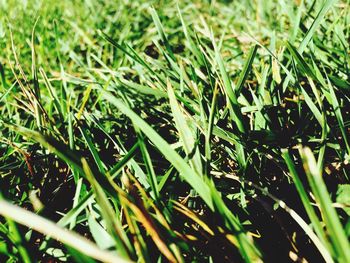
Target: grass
{"points": [[165, 131]]}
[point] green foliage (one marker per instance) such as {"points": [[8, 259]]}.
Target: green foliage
{"points": [[174, 131]]}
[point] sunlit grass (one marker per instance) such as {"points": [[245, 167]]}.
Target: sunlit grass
{"points": [[157, 131]]}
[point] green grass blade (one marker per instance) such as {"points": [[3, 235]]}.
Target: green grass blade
{"points": [[113, 224], [247, 248], [44, 226], [194, 179], [229, 90], [185, 133], [308, 207], [246, 69], [94, 152], [311, 31], [337, 234]]}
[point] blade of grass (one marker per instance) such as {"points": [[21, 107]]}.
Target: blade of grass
{"points": [[188, 174], [49, 228], [306, 202], [336, 232], [113, 224], [185, 133], [229, 90], [246, 69], [208, 193], [161, 33], [338, 114], [317, 21], [94, 152]]}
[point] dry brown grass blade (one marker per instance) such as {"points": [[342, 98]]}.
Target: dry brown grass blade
{"points": [[141, 214]]}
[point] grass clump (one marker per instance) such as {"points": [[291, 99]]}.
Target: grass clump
{"points": [[157, 131]]}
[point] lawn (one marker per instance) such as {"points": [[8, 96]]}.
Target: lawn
{"points": [[175, 131]]}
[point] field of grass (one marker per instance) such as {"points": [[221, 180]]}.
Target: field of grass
{"points": [[175, 131]]}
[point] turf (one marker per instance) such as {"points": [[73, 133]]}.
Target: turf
{"points": [[175, 131]]}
